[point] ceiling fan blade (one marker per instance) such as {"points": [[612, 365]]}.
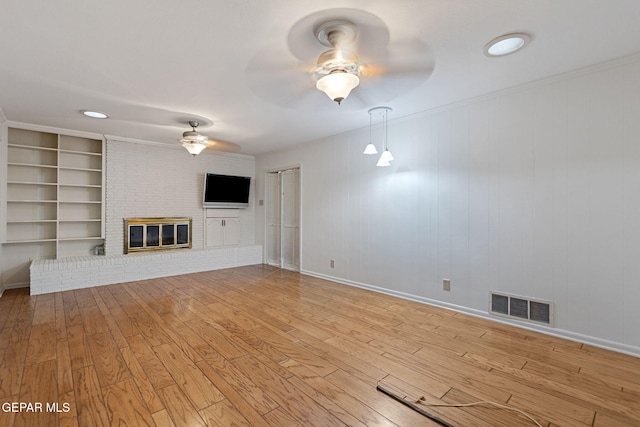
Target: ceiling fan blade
{"points": [[282, 75], [304, 45], [402, 67], [279, 78], [218, 145], [404, 56], [282, 80]]}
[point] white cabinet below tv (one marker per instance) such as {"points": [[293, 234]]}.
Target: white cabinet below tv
{"points": [[222, 227]]}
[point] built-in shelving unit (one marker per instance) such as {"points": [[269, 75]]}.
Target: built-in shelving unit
{"points": [[54, 198]]}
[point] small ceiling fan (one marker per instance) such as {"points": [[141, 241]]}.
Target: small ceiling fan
{"points": [[360, 55], [193, 141]]}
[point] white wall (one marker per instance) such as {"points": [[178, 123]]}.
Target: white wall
{"points": [[156, 180], [533, 191]]}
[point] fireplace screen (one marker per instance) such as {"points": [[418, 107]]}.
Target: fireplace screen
{"points": [[151, 234]]}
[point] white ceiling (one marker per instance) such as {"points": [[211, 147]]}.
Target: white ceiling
{"points": [[154, 65]]}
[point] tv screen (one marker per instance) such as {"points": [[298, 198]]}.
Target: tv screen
{"points": [[226, 191]]}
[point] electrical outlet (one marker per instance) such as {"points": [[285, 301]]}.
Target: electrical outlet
{"points": [[446, 284], [332, 264]]}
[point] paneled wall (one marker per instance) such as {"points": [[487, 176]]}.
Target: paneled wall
{"points": [[152, 180], [533, 191]]}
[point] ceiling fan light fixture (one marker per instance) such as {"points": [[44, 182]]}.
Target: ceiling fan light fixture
{"points": [[506, 44], [338, 59], [337, 70], [192, 136], [338, 85], [194, 148], [193, 141]]}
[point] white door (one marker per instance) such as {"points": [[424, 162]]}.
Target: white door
{"points": [[272, 205], [283, 218], [290, 215]]}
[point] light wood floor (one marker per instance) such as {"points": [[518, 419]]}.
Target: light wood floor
{"points": [[264, 347]]}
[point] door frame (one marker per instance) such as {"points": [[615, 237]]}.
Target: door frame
{"points": [[300, 210]]}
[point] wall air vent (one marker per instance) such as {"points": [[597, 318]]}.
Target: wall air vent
{"points": [[521, 308]]}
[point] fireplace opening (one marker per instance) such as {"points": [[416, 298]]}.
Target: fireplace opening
{"points": [[152, 234]]}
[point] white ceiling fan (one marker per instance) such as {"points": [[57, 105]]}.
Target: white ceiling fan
{"points": [[195, 142], [337, 71], [361, 54]]}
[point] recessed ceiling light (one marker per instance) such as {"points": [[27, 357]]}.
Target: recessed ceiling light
{"points": [[506, 44], [95, 114]]}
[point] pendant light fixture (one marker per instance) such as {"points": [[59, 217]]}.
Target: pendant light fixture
{"points": [[193, 141], [386, 157], [370, 148]]}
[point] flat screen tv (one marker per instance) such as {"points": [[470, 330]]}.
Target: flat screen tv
{"points": [[226, 191]]}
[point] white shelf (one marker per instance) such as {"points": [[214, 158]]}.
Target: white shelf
{"points": [[68, 168], [31, 147], [32, 201], [81, 202], [54, 197], [30, 221], [81, 185], [32, 165], [17, 242], [30, 183], [84, 153], [72, 239]]}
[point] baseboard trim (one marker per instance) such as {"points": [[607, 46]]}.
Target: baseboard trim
{"points": [[13, 286], [555, 332]]}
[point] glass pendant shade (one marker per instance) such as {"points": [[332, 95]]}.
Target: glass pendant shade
{"points": [[338, 85], [386, 156], [370, 149], [194, 147], [382, 162]]}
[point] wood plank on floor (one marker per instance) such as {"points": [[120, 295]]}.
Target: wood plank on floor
{"points": [[89, 400], [180, 408], [223, 414], [107, 359], [125, 405], [188, 376]]}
